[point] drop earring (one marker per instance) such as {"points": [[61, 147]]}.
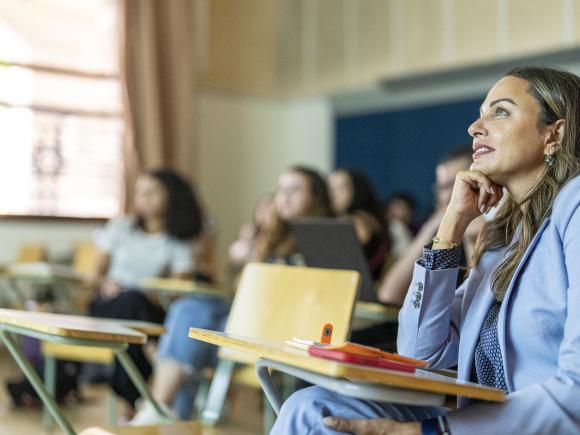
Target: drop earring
{"points": [[549, 159]]}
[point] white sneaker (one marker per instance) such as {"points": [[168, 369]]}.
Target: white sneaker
{"points": [[147, 415]]}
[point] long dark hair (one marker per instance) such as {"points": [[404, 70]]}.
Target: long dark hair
{"points": [[318, 189], [364, 197], [184, 216]]}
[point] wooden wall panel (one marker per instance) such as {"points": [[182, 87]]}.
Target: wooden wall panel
{"points": [[329, 40], [297, 47], [374, 41], [422, 35], [290, 56], [475, 31], [535, 25], [242, 45], [575, 21]]}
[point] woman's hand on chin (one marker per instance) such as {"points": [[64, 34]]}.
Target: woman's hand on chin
{"points": [[473, 194], [377, 426]]}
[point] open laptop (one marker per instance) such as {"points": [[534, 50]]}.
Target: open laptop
{"points": [[332, 244]]}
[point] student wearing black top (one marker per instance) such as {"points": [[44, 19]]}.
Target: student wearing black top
{"points": [[353, 197]]}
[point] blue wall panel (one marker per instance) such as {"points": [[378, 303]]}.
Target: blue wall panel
{"points": [[399, 150]]}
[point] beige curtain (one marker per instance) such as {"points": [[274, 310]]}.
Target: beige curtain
{"points": [[158, 73]]}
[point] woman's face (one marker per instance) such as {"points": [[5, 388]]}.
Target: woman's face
{"points": [[293, 197], [399, 210], [341, 191], [508, 141], [150, 197]]}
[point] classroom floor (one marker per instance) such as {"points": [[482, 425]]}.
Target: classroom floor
{"points": [[244, 414]]}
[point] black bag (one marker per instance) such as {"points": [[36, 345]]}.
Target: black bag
{"points": [[23, 394]]}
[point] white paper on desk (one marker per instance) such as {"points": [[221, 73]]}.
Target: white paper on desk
{"points": [[300, 343]]}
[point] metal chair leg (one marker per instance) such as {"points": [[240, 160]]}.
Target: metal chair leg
{"points": [[270, 391], [201, 395], [217, 392], [139, 382], [111, 409], [50, 382], [269, 415], [36, 382]]}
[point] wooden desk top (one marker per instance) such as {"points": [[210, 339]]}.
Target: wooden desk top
{"points": [[147, 328], [64, 325], [42, 271], [183, 286], [422, 380]]}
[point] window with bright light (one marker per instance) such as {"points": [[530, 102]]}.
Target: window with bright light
{"points": [[61, 112]]}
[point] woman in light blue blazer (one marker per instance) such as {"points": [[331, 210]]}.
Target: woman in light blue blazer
{"points": [[514, 323]]}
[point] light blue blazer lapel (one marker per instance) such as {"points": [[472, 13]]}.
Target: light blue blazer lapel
{"points": [[501, 325], [470, 331]]}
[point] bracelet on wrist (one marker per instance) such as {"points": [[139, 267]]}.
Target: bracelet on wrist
{"points": [[441, 240]]}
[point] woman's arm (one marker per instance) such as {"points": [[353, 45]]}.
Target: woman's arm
{"points": [[396, 281], [100, 274], [365, 226], [107, 240], [105, 287], [429, 321]]}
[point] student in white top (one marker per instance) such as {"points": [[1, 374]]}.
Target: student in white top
{"points": [[157, 240]]}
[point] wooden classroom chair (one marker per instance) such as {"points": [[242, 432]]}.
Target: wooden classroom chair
{"points": [[30, 273], [85, 259], [31, 253], [276, 302]]}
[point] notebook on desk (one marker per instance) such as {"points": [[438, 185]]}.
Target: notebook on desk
{"points": [[332, 244], [357, 354]]}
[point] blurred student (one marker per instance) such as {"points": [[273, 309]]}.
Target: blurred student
{"points": [[353, 197], [157, 240], [396, 281], [180, 360], [242, 250], [401, 207], [301, 193]]}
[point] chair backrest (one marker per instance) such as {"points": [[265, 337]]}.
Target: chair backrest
{"points": [[276, 302], [85, 258], [31, 253]]}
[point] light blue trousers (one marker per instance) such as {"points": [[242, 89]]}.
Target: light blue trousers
{"points": [[303, 412], [192, 355]]}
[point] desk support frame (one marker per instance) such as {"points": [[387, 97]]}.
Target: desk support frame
{"points": [[47, 399], [139, 382], [46, 392], [359, 390]]}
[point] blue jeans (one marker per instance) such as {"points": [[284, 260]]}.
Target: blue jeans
{"points": [[303, 412], [192, 355]]}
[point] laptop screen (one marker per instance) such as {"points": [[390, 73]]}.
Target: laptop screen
{"points": [[332, 244]]}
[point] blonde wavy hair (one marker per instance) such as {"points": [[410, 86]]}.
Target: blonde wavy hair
{"points": [[558, 94]]}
